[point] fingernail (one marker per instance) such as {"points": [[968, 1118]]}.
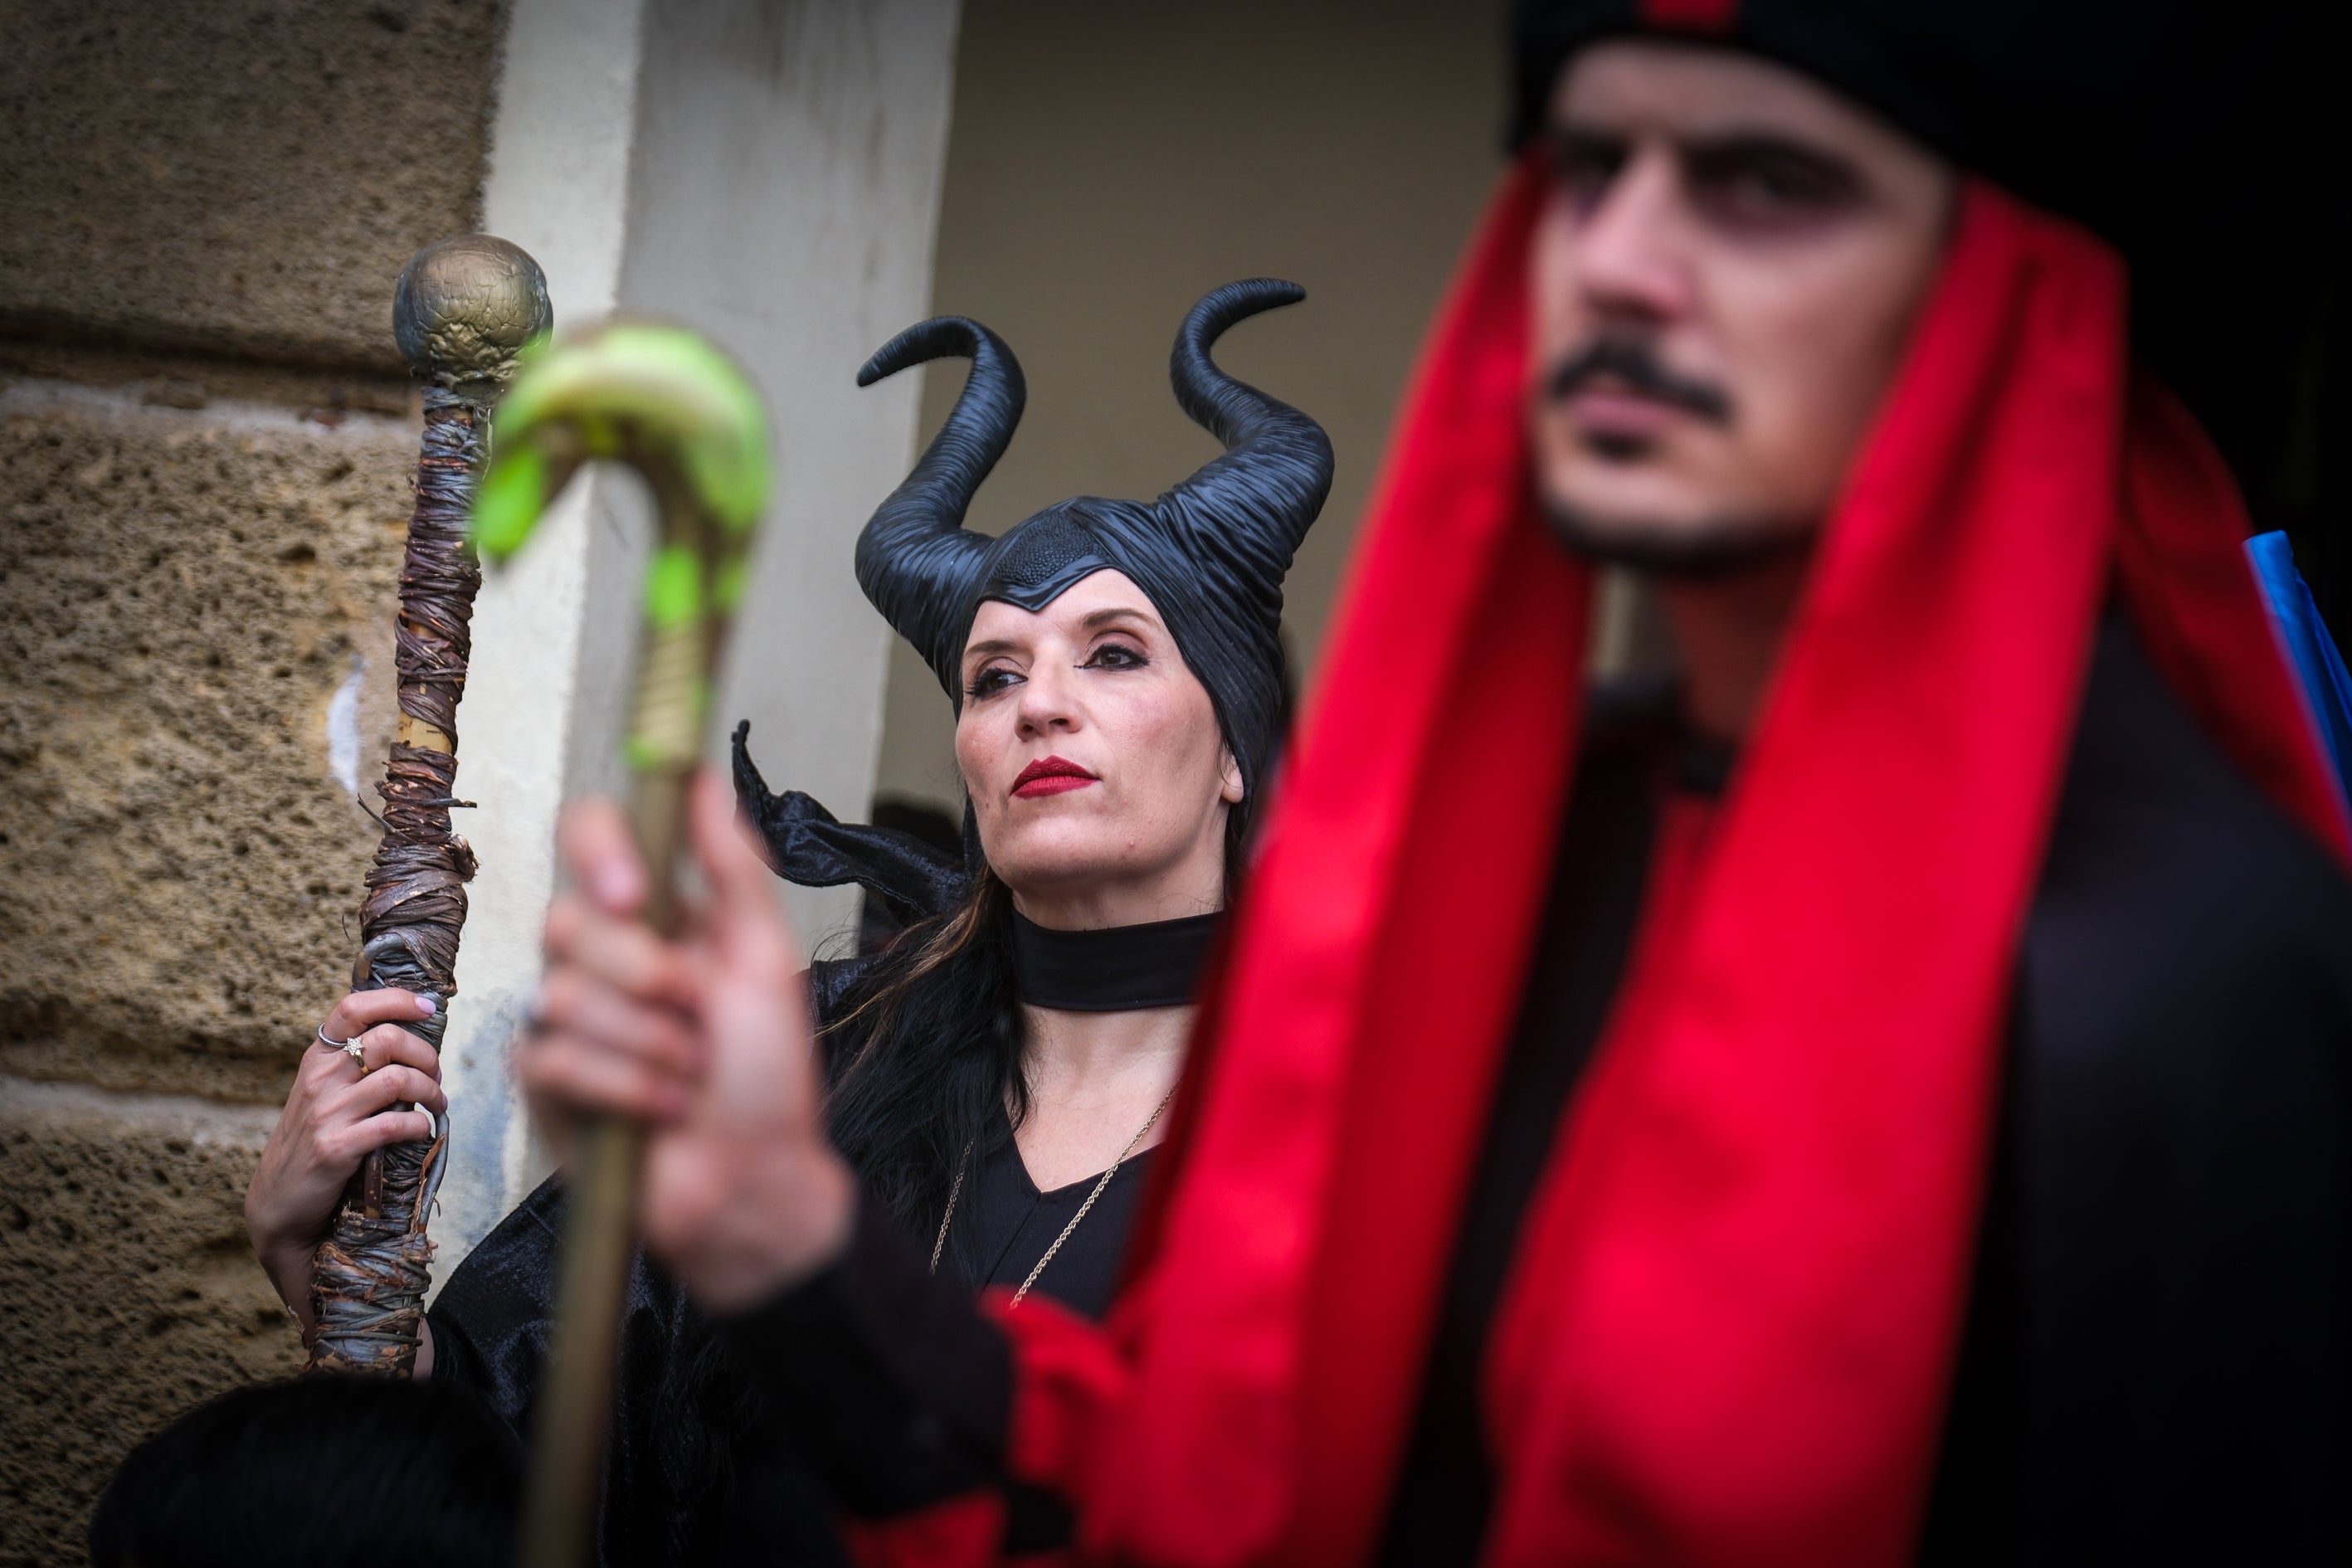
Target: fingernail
{"points": [[614, 886], [430, 1005]]}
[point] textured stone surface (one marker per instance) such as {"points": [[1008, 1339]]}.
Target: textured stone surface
{"points": [[205, 206], [131, 1293], [245, 177], [182, 594], [175, 380]]}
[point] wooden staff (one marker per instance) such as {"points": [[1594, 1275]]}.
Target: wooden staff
{"points": [[464, 309], [667, 404]]}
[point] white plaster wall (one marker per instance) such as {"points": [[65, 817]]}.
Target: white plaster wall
{"points": [[768, 175], [558, 186], [787, 173]]}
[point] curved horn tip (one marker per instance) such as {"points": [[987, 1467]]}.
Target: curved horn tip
{"points": [[1249, 296], [1225, 306], [938, 338]]}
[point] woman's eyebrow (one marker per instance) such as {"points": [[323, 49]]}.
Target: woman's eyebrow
{"points": [[990, 650]]}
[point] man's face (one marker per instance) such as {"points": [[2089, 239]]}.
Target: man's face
{"points": [[1724, 274]]}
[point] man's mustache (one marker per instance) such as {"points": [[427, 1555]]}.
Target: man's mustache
{"points": [[1631, 363]]}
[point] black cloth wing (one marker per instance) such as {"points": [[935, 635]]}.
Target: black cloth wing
{"points": [[806, 846]]}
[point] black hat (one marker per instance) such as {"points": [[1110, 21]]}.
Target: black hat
{"points": [[2096, 109]]}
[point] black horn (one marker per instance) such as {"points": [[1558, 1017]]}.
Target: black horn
{"points": [[915, 561], [1262, 494]]}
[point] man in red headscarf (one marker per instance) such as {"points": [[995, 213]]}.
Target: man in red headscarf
{"points": [[1884, 1098]]}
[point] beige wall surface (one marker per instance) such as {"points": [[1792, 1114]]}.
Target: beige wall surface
{"points": [[1109, 164], [205, 449]]}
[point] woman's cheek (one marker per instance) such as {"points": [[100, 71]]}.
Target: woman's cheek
{"points": [[976, 759]]}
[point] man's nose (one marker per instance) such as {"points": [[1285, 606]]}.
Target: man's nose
{"points": [[1628, 251]]}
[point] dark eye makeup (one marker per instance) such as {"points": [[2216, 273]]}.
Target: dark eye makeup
{"points": [[990, 679], [1116, 656], [1584, 162], [1110, 654], [1767, 181]]}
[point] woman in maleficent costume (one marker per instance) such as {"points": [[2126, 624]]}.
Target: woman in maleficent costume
{"points": [[998, 1072]]}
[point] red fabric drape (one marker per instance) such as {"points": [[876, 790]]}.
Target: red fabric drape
{"points": [[1743, 1283], [1728, 1334]]}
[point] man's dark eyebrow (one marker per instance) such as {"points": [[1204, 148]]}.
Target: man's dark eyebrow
{"points": [[1565, 134], [1733, 144]]}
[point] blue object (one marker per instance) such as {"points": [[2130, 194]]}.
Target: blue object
{"points": [[2326, 688]]}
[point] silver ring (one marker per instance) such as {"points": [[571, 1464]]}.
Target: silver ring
{"points": [[351, 1048]]}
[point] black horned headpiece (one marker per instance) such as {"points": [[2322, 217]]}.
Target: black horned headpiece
{"points": [[1211, 553]]}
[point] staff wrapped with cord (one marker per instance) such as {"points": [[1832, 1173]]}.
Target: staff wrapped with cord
{"points": [[464, 309]]}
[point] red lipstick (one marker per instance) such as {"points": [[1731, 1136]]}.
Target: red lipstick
{"points": [[1050, 775]]}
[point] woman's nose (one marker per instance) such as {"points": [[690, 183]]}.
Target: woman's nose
{"points": [[1046, 700]]}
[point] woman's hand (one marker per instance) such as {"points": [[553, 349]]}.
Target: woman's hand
{"points": [[705, 1041], [334, 1116]]}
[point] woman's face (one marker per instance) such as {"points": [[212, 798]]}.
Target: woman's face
{"points": [[1097, 775]]}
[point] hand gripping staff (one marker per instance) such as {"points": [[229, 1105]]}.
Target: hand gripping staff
{"points": [[667, 404], [463, 310]]}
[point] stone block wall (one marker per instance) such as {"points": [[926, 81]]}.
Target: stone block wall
{"points": [[131, 1294], [205, 443], [218, 177], [184, 594]]}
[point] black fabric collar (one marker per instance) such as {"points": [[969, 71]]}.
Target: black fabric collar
{"points": [[1119, 969]]}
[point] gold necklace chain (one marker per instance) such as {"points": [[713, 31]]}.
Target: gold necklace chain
{"points": [[964, 1163]]}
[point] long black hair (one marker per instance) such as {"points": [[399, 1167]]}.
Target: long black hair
{"points": [[925, 1048]]}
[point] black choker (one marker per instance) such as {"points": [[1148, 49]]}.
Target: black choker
{"points": [[1119, 969]]}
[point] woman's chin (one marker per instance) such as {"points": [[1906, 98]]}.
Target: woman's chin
{"points": [[1057, 859], [1058, 877]]}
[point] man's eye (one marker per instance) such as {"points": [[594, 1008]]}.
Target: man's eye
{"points": [[1744, 188], [996, 678], [1583, 166], [1117, 656]]}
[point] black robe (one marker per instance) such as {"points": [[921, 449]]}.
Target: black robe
{"points": [[2157, 1361], [695, 1470]]}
